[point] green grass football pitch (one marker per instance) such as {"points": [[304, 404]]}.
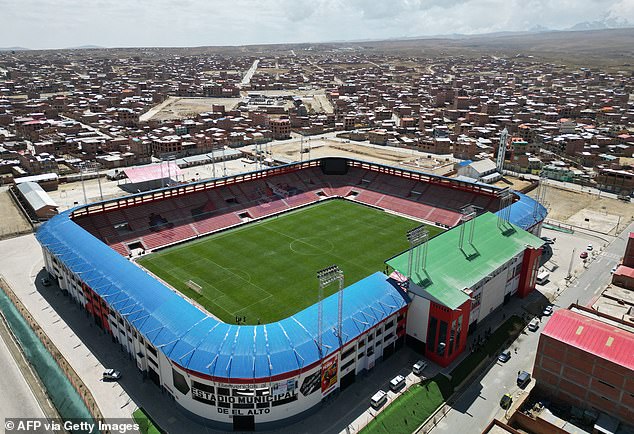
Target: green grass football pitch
{"points": [[266, 270]]}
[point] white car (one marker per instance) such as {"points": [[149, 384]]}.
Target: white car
{"points": [[590, 247], [397, 382], [111, 375], [613, 270], [548, 310], [533, 325], [419, 367]]}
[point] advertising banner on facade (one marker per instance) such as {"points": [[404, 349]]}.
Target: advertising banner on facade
{"points": [[329, 371]]}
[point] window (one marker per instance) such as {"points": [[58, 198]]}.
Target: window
{"points": [[347, 364], [476, 300], [442, 338], [152, 350], [431, 334], [348, 352]]}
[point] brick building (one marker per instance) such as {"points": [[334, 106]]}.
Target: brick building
{"points": [[586, 359], [280, 128]]}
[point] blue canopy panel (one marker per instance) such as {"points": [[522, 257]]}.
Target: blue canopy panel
{"points": [[526, 212], [196, 340]]}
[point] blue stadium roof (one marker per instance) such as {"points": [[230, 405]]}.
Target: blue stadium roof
{"points": [[196, 340], [526, 212]]}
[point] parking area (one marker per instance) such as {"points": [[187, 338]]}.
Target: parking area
{"points": [[562, 259]]}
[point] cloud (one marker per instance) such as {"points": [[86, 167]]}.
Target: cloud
{"points": [[65, 23]]}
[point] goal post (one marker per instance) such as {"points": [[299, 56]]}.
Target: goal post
{"points": [[194, 286]]}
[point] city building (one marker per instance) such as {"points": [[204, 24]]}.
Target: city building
{"points": [[585, 359]]}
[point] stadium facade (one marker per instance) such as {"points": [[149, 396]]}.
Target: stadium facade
{"points": [[249, 377]]}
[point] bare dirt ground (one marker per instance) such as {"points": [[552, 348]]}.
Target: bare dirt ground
{"points": [[512, 182], [13, 222], [586, 210], [180, 108], [387, 156], [319, 103]]}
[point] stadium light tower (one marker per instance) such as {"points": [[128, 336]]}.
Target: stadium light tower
{"points": [[468, 214], [326, 277], [504, 215], [417, 237]]}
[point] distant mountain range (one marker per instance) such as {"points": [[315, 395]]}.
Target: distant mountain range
{"points": [[14, 49], [86, 47], [605, 23], [80, 47], [602, 24]]}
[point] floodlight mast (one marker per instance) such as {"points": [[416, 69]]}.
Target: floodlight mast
{"points": [[326, 277], [417, 237], [504, 215]]}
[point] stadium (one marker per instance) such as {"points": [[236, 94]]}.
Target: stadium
{"points": [[229, 293]]}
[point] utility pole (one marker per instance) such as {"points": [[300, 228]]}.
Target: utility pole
{"points": [[99, 182], [572, 258], [83, 186]]}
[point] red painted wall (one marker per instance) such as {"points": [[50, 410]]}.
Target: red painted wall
{"points": [[530, 267], [461, 318]]}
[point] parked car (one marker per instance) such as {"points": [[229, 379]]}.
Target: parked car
{"points": [[549, 240], [46, 281], [523, 378], [533, 325], [506, 401], [378, 399], [505, 356], [397, 382], [590, 247], [419, 367], [623, 197], [613, 270], [111, 375], [583, 255], [548, 310]]}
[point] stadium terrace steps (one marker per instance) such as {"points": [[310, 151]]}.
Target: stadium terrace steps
{"points": [[120, 248], [369, 197], [203, 212], [215, 223], [301, 199], [267, 208]]}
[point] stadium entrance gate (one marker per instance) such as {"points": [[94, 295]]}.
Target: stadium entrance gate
{"points": [[244, 423]]}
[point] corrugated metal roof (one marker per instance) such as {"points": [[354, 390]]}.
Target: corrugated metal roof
{"points": [[449, 269], [197, 341], [152, 172], [624, 270], [526, 212], [593, 336], [35, 195]]}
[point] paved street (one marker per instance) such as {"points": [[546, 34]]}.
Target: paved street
{"points": [[21, 265], [479, 403], [16, 399]]}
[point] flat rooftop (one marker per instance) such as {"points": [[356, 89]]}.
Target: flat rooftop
{"points": [[450, 268]]}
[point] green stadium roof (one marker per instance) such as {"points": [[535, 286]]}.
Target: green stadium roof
{"points": [[449, 270]]}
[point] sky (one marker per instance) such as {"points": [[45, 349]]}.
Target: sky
{"points": [[41, 24]]}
